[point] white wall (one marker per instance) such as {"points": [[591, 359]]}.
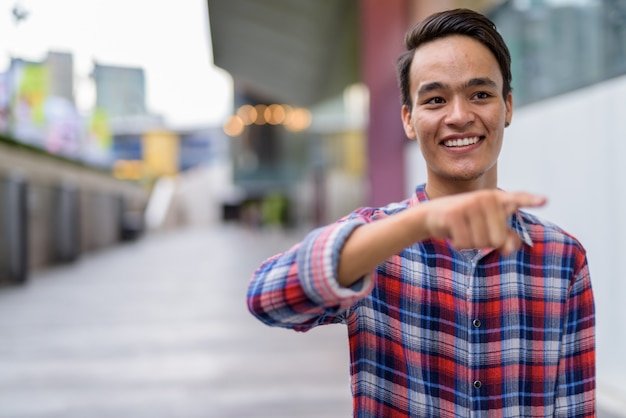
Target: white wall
{"points": [[572, 148]]}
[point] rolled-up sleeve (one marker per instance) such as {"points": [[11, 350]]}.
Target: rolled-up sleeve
{"points": [[299, 289]]}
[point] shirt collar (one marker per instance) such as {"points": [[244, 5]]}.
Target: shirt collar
{"points": [[516, 222]]}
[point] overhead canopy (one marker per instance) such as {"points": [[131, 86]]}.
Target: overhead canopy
{"points": [[292, 51]]}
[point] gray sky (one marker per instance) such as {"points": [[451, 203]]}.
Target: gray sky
{"points": [[169, 38]]}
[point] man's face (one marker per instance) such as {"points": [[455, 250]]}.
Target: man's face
{"points": [[458, 113]]}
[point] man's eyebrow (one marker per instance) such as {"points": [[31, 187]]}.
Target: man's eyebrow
{"points": [[481, 81], [428, 87]]}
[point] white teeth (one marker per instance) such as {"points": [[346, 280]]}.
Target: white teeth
{"points": [[461, 142]]}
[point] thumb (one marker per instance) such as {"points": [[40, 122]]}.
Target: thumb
{"points": [[512, 244]]}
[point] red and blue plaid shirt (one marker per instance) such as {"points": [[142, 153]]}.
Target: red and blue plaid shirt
{"points": [[434, 332]]}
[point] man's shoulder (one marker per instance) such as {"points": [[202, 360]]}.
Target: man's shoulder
{"points": [[544, 231], [386, 210]]}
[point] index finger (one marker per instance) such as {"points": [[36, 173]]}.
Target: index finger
{"points": [[517, 200]]}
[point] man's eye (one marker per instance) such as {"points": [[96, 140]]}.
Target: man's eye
{"points": [[435, 100], [482, 95]]}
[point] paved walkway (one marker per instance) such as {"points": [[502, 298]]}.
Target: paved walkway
{"points": [[159, 328]]}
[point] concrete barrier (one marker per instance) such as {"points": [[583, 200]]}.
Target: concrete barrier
{"points": [[52, 210], [13, 230]]}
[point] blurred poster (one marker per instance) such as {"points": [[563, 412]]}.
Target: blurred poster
{"points": [[98, 145], [30, 90], [4, 103], [63, 127], [37, 108]]}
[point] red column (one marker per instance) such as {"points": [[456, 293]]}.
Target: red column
{"points": [[383, 25]]}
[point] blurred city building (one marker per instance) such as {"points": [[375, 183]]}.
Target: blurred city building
{"points": [[120, 91], [57, 197], [60, 66], [72, 182]]}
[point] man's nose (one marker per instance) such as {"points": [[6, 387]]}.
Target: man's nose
{"points": [[459, 113]]}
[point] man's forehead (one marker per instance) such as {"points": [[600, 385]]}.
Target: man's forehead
{"points": [[454, 61], [451, 41], [458, 50]]}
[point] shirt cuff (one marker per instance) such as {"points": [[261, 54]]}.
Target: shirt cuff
{"points": [[318, 261]]}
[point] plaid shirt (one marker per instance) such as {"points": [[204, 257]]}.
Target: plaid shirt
{"points": [[435, 332]]}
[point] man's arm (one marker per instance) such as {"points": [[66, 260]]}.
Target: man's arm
{"points": [[469, 220], [316, 281]]}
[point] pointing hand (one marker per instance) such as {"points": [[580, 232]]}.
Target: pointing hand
{"points": [[479, 219]]}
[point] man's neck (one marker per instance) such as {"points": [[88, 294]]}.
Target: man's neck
{"points": [[435, 189]]}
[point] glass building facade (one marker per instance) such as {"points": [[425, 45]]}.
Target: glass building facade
{"points": [[562, 45]]}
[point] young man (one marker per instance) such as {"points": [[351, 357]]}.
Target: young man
{"points": [[457, 302]]}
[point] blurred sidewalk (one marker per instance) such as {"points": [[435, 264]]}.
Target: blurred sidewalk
{"points": [[159, 328]]}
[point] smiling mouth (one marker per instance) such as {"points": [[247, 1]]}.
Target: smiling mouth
{"points": [[461, 142]]}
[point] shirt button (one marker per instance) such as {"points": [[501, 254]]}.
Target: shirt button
{"points": [[476, 323], [478, 384]]}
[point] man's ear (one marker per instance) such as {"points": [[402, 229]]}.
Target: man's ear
{"points": [[406, 122], [508, 102]]}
